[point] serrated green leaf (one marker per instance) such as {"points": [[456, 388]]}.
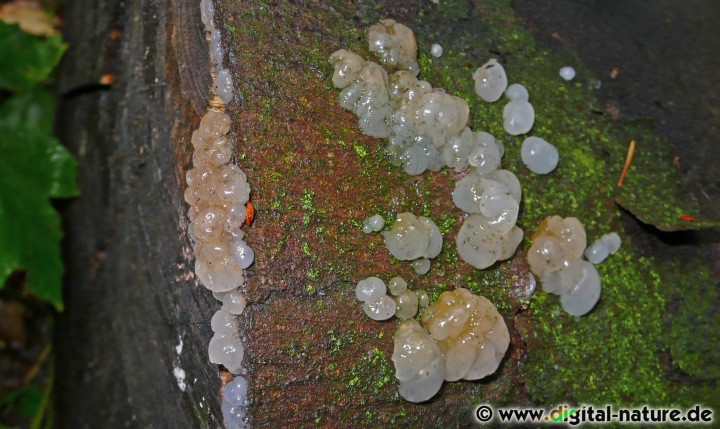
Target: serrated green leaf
{"points": [[34, 167], [25, 59]]}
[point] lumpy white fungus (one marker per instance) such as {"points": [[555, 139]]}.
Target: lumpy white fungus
{"points": [[567, 73], [418, 362], [217, 193], [583, 296], [232, 301], [464, 337], [538, 155], [370, 289], [481, 241], [227, 350], [613, 242], [517, 92], [235, 416], [490, 81], [407, 305], [235, 392], [472, 335], [518, 117], [421, 266], [395, 44], [423, 298], [374, 223], [413, 237], [381, 308], [597, 252], [555, 257], [397, 286], [436, 50], [224, 322]]}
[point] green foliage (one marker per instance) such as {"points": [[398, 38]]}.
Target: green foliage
{"points": [[26, 60], [34, 166]]}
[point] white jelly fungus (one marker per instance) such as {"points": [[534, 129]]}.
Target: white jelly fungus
{"points": [[397, 286], [556, 258], [518, 117], [567, 73], [613, 242], [382, 308], [538, 155], [490, 81], [517, 92], [374, 223], [370, 289], [436, 50], [413, 237]]}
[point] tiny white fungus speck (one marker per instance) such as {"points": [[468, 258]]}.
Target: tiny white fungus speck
{"points": [[436, 50], [567, 73]]}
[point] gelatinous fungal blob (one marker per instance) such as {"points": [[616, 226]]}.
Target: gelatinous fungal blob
{"points": [[419, 363], [517, 91], [462, 337], [556, 258], [374, 223], [567, 73], [538, 155], [518, 117], [436, 50], [490, 81], [395, 44], [412, 237], [472, 335]]}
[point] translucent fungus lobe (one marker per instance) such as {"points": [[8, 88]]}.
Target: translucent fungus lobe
{"points": [[418, 362], [413, 237], [470, 332], [436, 50], [517, 92], [518, 117], [381, 308], [490, 81], [567, 73], [370, 289], [538, 155]]}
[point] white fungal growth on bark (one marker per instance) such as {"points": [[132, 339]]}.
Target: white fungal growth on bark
{"points": [[436, 50], [556, 258], [462, 337], [413, 237], [426, 129], [538, 155]]}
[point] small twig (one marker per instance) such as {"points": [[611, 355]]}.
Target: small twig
{"points": [[628, 160], [38, 364]]}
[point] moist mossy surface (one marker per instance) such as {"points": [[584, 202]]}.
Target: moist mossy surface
{"points": [[314, 357]]}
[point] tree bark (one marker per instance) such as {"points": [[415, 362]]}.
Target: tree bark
{"points": [[131, 296]]}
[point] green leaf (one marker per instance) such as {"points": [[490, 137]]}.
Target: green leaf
{"points": [[34, 167], [29, 401], [25, 59]]}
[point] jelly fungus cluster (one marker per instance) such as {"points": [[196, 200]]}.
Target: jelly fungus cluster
{"points": [[223, 80], [427, 129], [218, 194], [462, 336], [414, 238], [556, 258]]}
